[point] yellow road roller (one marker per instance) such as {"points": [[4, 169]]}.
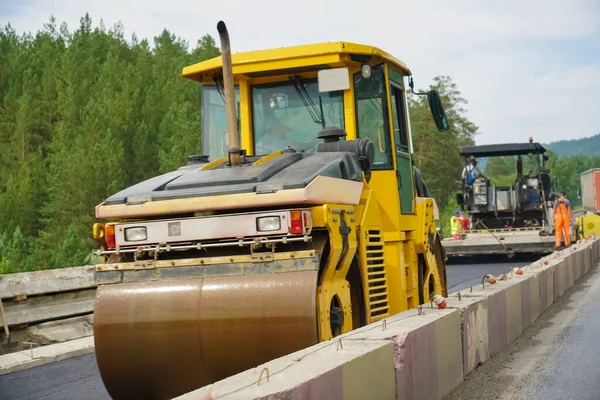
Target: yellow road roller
{"points": [[301, 220]]}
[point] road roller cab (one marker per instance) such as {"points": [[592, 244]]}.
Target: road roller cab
{"points": [[303, 226]]}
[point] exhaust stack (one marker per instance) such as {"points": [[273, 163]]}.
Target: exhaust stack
{"points": [[234, 139]]}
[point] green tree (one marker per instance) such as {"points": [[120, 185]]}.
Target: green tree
{"points": [[566, 173], [14, 253], [502, 171], [73, 250], [437, 154], [84, 114]]}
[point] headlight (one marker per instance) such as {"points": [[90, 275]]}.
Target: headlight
{"points": [[266, 224], [135, 234], [174, 229]]}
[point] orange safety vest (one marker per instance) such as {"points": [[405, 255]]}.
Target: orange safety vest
{"points": [[561, 211]]}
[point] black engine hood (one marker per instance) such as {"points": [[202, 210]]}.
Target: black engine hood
{"points": [[290, 170]]}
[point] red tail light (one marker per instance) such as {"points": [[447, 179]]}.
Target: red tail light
{"points": [[109, 237], [296, 219]]}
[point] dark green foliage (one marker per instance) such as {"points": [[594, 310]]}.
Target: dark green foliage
{"points": [[13, 252], [589, 147], [567, 172], [84, 114], [437, 154]]}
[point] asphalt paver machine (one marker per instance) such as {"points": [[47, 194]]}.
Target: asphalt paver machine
{"points": [[514, 217]]}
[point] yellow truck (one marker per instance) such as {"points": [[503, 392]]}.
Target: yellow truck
{"points": [[299, 222]]}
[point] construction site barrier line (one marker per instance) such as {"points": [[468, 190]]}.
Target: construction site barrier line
{"points": [[551, 275], [500, 312]]}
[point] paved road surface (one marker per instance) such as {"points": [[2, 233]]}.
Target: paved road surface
{"points": [[72, 379], [555, 358], [78, 378], [462, 276]]}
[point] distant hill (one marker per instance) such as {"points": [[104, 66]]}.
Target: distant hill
{"points": [[584, 147]]}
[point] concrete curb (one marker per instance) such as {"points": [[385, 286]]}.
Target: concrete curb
{"points": [[35, 357], [415, 354]]}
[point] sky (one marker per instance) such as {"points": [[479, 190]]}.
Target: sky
{"points": [[526, 68]]}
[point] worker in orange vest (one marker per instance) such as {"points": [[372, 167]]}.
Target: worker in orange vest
{"points": [[563, 216]]}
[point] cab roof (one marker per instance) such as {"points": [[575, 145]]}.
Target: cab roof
{"points": [[506, 149], [293, 59]]}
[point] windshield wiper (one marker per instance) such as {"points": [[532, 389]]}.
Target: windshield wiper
{"points": [[220, 88], [315, 113]]}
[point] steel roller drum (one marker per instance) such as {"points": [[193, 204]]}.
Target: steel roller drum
{"points": [[160, 339]]}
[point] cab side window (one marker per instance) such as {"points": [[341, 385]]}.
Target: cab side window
{"points": [[398, 118], [372, 118]]}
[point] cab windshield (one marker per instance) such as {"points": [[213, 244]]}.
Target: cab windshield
{"points": [[291, 114]]}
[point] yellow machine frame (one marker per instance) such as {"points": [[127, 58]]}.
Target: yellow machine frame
{"points": [[387, 264], [164, 325], [388, 243]]}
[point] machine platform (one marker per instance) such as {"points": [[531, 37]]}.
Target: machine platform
{"points": [[500, 241]]}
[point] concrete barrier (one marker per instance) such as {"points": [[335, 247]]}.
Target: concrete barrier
{"points": [[405, 357], [47, 281], [416, 355], [475, 333], [33, 297], [51, 307]]}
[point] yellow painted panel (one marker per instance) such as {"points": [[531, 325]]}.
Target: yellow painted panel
{"points": [[215, 163], [396, 279], [268, 158], [293, 56], [246, 119], [385, 184], [333, 281], [394, 236], [349, 109]]}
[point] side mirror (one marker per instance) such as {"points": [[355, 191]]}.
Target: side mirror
{"points": [[437, 111]]}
